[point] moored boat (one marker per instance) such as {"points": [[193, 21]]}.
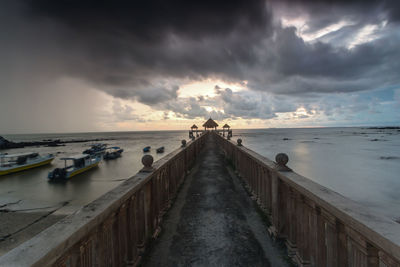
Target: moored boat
{"points": [[10, 163], [146, 149], [160, 150], [113, 152], [80, 163], [96, 149]]}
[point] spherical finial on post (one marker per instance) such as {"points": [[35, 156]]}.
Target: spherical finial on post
{"points": [[183, 142], [239, 142], [281, 160], [147, 161]]}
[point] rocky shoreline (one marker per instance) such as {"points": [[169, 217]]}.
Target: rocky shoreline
{"points": [[385, 128], [6, 144]]}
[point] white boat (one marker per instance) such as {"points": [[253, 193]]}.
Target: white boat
{"points": [[10, 163], [79, 163]]}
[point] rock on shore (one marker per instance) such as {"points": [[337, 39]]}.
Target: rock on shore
{"points": [[5, 144]]}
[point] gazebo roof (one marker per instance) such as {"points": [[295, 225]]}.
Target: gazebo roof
{"points": [[194, 127], [210, 123], [226, 126]]}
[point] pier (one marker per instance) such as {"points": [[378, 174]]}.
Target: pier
{"points": [[214, 202], [213, 221]]}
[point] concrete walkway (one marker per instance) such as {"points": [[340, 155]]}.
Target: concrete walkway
{"points": [[213, 222]]}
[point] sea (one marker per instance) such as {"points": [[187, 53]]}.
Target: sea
{"points": [[362, 164]]}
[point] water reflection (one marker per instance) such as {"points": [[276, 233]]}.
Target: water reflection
{"points": [[341, 159]]}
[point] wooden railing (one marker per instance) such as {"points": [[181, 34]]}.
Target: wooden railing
{"points": [[114, 229], [319, 226]]}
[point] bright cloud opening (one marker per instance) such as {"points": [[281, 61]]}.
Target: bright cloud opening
{"points": [[206, 88]]}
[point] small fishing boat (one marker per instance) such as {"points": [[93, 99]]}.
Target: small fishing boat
{"points": [[10, 163], [113, 152], [146, 149], [96, 149], [160, 150], [80, 163]]}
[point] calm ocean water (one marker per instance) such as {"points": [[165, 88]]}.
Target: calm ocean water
{"points": [[361, 164], [33, 190]]}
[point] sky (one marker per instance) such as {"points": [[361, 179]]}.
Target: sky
{"points": [[119, 65]]}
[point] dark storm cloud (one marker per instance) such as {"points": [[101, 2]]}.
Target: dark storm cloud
{"points": [[144, 50], [151, 20], [293, 66], [120, 43], [157, 95], [295, 57]]}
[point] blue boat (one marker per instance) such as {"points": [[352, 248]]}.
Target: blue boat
{"points": [[146, 149]]}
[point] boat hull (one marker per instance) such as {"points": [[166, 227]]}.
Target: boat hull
{"points": [[76, 172], [113, 155], [26, 167]]}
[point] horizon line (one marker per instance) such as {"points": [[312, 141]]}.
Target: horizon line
{"points": [[178, 130]]}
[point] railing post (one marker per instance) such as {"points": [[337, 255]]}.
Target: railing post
{"points": [[274, 204], [372, 256], [292, 225], [320, 246], [342, 244], [268, 196], [141, 223], [359, 251], [132, 253], [121, 223], [330, 239], [264, 189], [312, 231], [303, 236]]}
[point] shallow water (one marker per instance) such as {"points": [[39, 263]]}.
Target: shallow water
{"points": [[33, 190], [361, 164]]}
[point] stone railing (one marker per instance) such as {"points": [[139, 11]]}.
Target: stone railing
{"points": [[114, 229], [319, 226]]}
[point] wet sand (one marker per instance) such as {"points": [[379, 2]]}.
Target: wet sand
{"points": [[18, 227]]}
